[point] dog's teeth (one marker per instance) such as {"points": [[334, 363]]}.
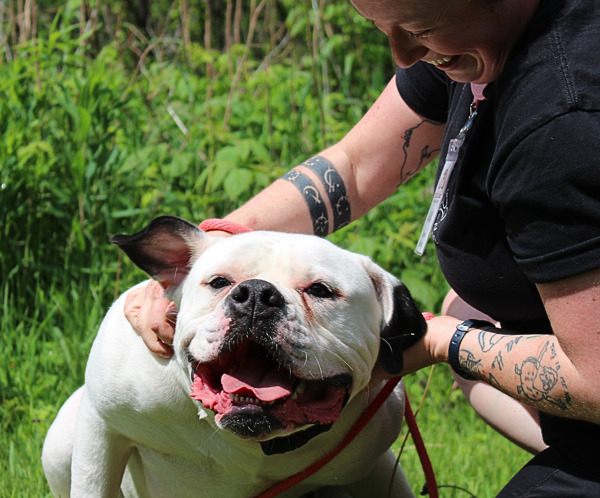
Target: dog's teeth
{"points": [[249, 399], [298, 390]]}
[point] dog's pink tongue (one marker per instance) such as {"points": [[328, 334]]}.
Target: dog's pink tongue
{"points": [[255, 377]]}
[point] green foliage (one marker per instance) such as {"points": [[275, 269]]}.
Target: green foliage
{"points": [[105, 125], [468, 457], [96, 146]]}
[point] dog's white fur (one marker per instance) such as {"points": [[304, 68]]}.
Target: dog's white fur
{"points": [[133, 426]]}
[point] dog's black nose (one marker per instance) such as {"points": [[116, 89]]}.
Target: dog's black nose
{"points": [[257, 299]]}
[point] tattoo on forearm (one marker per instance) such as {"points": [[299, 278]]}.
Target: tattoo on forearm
{"points": [[498, 361], [493, 381], [540, 376], [314, 201], [426, 154], [336, 190], [467, 360], [488, 340]]}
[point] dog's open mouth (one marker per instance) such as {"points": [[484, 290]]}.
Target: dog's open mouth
{"points": [[256, 397]]}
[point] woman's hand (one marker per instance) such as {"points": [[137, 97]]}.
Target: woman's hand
{"points": [[431, 349], [153, 317]]}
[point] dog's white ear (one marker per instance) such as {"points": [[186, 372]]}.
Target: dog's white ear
{"points": [[403, 323], [165, 249]]}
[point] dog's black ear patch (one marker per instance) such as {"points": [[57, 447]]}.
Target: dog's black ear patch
{"points": [[404, 329], [164, 249]]}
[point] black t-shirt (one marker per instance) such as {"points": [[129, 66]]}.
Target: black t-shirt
{"points": [[523, 202]]}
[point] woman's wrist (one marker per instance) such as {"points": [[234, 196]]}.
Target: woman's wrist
{"points": [[454, 348], [439, 334], [433, 348]]}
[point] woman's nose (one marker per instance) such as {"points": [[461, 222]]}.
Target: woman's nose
{"points": [[406, 49]]}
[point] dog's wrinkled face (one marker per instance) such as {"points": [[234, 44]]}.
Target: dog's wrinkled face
{"points": [[279, 330], [276, 332]]}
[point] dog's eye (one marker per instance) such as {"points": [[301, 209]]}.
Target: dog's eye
{"points": [[320, 290], [219, 283]]}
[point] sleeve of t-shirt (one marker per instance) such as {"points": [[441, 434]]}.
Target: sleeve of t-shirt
{"points": [[425, 91], [548, 194]]}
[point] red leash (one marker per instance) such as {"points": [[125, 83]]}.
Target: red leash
{"points": [[386, 390], [382, 395], [411, 420], [352, 433]]}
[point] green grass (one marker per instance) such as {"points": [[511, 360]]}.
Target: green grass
{"points": [[468, 456], [44, 361]]}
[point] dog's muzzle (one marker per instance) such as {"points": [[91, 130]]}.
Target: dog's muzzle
{"points": [[254, 307], [252, 386], [256, 298]]}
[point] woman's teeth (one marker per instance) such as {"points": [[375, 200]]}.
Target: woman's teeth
{"points": [[443, 60]]}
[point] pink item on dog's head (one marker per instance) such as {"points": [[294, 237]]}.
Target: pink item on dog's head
{"points": [[214, 224]]}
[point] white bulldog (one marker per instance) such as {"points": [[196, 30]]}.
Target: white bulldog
{"points": [[276, 338]]}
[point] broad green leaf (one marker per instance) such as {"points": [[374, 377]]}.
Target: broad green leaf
{"points": [[237, 181]]}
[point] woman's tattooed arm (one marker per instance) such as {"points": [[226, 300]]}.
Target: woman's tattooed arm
{"points": [[324, 190], [534, 377]]}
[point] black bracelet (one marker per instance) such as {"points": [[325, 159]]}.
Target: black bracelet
{"points": [[454, 347]]}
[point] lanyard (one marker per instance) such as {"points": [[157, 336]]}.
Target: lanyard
{"points": [[442, 185]]}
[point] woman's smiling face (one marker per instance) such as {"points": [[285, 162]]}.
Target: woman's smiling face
{"points": [[470, 40]]}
